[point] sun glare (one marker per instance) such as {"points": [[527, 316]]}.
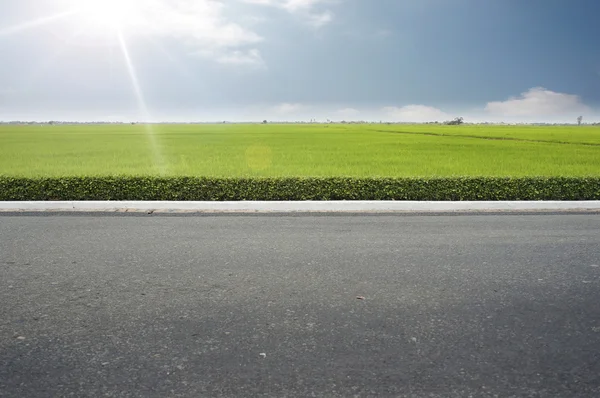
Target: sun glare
{"points": [[107, 16]]}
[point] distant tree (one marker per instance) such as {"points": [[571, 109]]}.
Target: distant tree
{"points": [[456, 122], [579, 120], [265, 122]]}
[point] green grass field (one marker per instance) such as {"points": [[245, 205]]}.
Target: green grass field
{"points": [[376, 150]]}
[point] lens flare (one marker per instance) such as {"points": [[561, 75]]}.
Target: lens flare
{"points": [[35, 23], [106, 19], [156, 151]]}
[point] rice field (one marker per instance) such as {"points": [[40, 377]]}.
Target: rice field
{"points": [[232, 150]]}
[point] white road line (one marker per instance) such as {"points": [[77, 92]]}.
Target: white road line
{"points": [[298, 207]]}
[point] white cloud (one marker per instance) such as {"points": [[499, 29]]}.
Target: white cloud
{"points": [[348, 112], [304, 8], [318, 20], [239, 57], [287, 108], [295, 5], [202, 25], [416, 113], [538, 102], [289, 5], [210, 28]]}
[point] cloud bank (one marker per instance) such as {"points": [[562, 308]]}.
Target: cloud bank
{"points": [[212, 29], [310, 10], [415, 113], [289, 109], [538, 102]]}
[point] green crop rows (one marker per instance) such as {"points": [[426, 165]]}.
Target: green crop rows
{"points": [[298, 162]]}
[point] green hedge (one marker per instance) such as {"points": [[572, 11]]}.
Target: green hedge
{"points": [[337, 188]]}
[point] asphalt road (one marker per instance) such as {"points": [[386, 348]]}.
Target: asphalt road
{"points": [[201, 306]]}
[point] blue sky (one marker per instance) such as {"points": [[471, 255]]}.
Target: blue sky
{"points": [[238, 60]]}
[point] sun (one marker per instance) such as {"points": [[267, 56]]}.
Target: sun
{"points": [[107, 16]]}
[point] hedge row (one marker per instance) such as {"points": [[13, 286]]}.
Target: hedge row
{"points": [[268, 189]]}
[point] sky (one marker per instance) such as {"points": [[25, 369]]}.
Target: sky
{"points": [[288, 60]]}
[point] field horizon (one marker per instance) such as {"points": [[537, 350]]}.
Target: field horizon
{"points": [[298, 150]]}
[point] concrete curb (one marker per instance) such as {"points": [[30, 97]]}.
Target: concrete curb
{"points": [[300, 207]]}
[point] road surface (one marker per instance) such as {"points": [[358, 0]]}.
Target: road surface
{"points": [[352, 305]]}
